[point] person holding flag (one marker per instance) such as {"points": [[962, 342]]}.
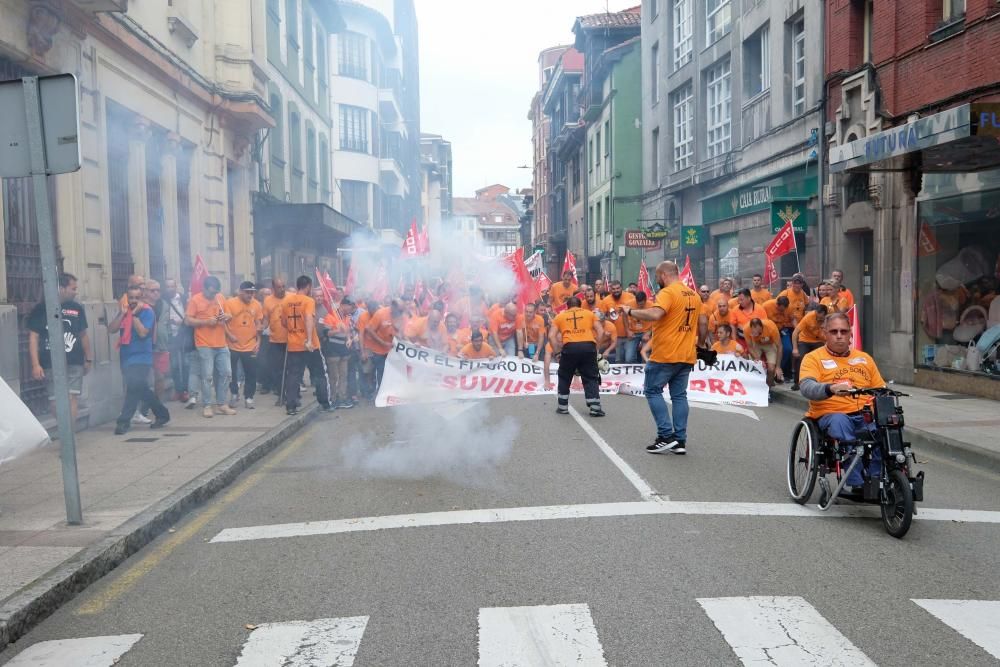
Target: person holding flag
{"points": [[561, 291]]}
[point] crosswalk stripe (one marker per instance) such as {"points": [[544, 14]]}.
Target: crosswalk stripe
{"points": [[543, 636], [331, 642], [83, 652], [976, 620], [780, 631]]}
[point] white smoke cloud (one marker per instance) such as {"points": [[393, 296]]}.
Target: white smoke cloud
{"points": [[456, 441]]}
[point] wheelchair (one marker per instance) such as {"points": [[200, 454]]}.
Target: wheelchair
{"points": [[813, 456]]}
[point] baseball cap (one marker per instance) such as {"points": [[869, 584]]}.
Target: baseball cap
{"points": [[247, 286]]}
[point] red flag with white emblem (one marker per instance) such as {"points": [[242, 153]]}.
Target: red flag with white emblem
{"points": [[644, 283], [687, 276]]}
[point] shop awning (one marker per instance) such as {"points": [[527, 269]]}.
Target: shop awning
{"points": [[305, 221], [963, 139]]}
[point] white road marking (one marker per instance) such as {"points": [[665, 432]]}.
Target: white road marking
{"points": [[976, 620], [645, 490], [544, 636], [331, 642], [83, 652], [596, 510], [781, 631]]}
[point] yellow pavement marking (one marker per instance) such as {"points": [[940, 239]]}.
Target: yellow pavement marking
{"points": [[131, 577]]}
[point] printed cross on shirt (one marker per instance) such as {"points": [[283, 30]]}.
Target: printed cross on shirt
{"points": [[576, 317], [294, 318], [687, 317]]}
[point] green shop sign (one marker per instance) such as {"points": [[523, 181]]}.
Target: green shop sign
{"points": [[693, 237], [797, 184], [784, 211]]}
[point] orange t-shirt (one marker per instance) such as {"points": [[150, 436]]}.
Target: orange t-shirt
{"points": [[485, 352], [454, 343], [781, 320], [740, 318], [418, 330], [637, 327], [718, 295], [201, 308], [610, 307], [809, 330], [558, 293], [246, 318], [501, 327], [295, 310], [610, 333], [576, 325], [532, 330], [848, 295], [760, 296], [675, 334], [731, 347], [857, 368], [272, 313], [381, 323], [796, 303], [839, 304], [769, 334], [715, 319]]}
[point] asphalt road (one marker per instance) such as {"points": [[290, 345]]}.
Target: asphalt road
{"points": [[655, 580]]}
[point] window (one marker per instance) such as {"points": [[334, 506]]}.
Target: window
{"points": [[498, 218], [354, 200], [292, 21], [654, 72], [276, 135], [652, 8], [683, 122], [576, 177], [220, 237], [590, 151], [607, 138], [869, 24], [719, 105], [353, 128], [798, 67], [655, 160], [718, 18], [953, 10], [597, 151], [352, 56], [757, 63], [295, 138], [683, 30]]}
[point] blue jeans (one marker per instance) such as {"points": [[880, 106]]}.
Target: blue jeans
{"points": [[509, 347], [786, 352], [674, 376], [215, 370], [632, 346], [847, 429]]}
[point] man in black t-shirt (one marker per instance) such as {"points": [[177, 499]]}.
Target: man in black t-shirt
{"points": [[75, 338]]}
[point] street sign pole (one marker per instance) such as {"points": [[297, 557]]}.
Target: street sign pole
{"points": [[53, 308]]}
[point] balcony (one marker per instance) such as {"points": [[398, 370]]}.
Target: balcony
{"points": [[388, 106], [757, 117], [391, 177]]}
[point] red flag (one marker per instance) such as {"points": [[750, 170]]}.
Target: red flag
{"points": [[526, 290], [349, 285], [686, 276], [198, 275], [381, 288], [569, 264], [644, 283], [783, 242], [327, 286], [542, 282], [414, 244], [852, 313], [770, 272]]}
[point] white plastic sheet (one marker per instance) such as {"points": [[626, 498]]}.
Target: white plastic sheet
{"points": [[20, 432]]}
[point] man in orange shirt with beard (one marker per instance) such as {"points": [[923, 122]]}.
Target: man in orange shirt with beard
{"points": [[764, 344], [530, 333], [503, 330], [746, 310], [559, 292], [612, 306], [244, 342], [476, 348], [299, 319], [278, 341], [425, 330], [798, 298]]}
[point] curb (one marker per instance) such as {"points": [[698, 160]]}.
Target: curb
{"points": [[940, 446], [33, 604]]}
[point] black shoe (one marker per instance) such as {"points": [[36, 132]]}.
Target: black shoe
{"points": [[560, 410], [159, 423], [680, 448], [596, 411], [795, 387], [662, 444], [329, 407], [347, 405], [121, 429]]}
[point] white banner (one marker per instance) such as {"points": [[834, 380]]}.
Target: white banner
{"points": [[414, 374]]}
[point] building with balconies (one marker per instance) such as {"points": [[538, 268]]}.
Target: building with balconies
{"points": [[436, 182], [173, 97]]}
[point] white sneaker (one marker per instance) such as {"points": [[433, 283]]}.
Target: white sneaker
{"points": [[249, 404], [138, 418], [192, 401]]}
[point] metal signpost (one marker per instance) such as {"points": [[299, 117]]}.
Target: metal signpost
{"points": [[37, 139]]}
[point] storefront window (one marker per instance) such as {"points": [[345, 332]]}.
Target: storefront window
{"points": [[958, 269]]}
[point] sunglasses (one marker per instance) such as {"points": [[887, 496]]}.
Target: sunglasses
{"points": [[842, 332]]}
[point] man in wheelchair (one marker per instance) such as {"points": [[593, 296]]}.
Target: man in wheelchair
{"points": [[827, 377]]}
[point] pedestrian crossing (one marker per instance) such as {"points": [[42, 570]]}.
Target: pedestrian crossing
{"points": [[783, 631]]}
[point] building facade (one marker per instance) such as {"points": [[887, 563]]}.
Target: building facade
{"points": [[611, 100], [172, 100], [489, 223], [914, 188], [731, 121], [436, 182]]}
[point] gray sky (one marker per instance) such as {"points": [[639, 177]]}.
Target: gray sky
{"points": [[478, 72]]}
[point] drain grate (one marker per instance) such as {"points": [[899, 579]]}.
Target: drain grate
{"points": [[953, 397], [142, 440]]}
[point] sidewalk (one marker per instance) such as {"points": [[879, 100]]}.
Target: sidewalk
{"points": [[954, 426], [133, 487]]}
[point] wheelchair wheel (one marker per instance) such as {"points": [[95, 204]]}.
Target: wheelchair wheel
{"points": [[802, 469], [897, 504]]}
